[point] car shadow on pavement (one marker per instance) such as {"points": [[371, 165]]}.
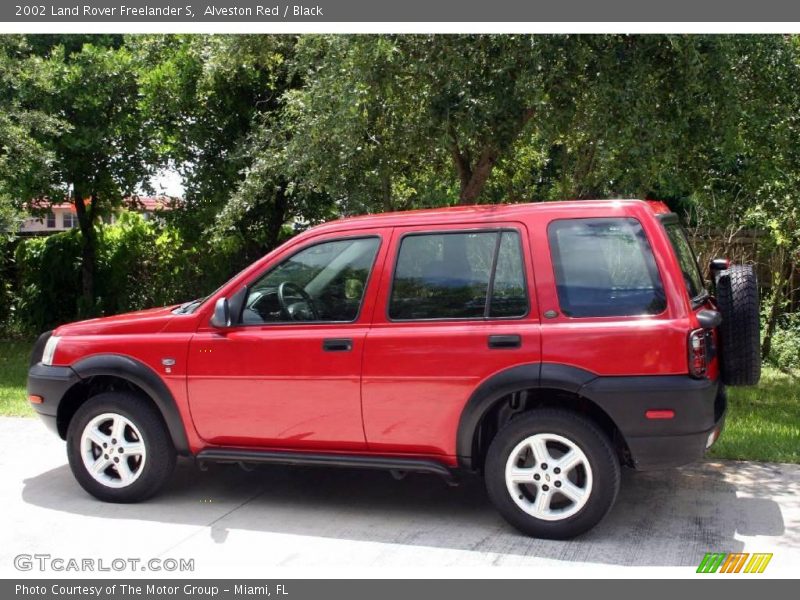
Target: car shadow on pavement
{"points": [[663, 518]]}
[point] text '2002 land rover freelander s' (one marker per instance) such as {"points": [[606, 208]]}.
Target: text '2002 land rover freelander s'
{"points": [[543, 346]]}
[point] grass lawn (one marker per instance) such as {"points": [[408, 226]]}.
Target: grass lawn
{"points": [[13, 371], [763, 422]]}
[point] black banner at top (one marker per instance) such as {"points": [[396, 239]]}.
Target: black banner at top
{"points": [[463, 11]]}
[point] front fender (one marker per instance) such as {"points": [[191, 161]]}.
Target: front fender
{"points": [[139, 374]]}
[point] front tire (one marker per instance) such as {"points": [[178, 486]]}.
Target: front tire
{"points": [[552, 474], [119, 449]]}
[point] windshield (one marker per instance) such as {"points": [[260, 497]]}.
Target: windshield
{"points": [[686, 257]]}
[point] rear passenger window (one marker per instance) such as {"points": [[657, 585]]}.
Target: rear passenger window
{"points": [[509, 298], [449, 276], [605, 268]]}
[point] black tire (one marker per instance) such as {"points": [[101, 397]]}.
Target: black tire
{"points": [[160, 455], [583, 433], [740, 335]]}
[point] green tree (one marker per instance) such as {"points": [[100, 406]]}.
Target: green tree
{"points": [[382, 118], [206, 95], [25, 164], [107, 153]]}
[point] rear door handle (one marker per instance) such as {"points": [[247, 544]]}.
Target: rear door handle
{"points": [[337, 345], [505, 341]]}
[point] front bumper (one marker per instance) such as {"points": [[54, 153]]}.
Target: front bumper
{"points": [[51, 384]]}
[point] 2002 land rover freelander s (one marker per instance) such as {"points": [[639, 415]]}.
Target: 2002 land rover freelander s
{"points": [[542, 345]]}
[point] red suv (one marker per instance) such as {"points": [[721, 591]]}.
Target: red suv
{"points": [[542, 345]]}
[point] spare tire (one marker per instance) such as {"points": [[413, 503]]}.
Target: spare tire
{"points": [[740, 344]]}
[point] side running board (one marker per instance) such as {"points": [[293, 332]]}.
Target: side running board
{"points": [[395, 465]]}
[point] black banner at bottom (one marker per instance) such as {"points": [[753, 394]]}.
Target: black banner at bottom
{"points": [[382, 589]]}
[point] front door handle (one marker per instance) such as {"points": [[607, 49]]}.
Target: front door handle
{"points": [[505, 341], [337, 345]]}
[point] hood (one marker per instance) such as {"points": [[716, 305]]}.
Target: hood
{"points": [[151, 320]]}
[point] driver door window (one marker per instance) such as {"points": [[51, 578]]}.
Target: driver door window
{"points": [[321, 283]]}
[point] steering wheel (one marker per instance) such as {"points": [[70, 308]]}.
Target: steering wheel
{"points": [[282, 295]]}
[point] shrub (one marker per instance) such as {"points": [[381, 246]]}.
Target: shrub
{"points": [[140, 264], [785, 348], [48, 280]]}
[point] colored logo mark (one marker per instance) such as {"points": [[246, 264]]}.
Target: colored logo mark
{"points": [[735, 562]]}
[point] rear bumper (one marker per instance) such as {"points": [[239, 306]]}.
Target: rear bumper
{"points": [[50, 383], [699, 407], [662, 452]]}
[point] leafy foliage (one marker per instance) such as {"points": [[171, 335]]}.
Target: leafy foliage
{"points": [[140, 264], [274, 133], [25, 163]]}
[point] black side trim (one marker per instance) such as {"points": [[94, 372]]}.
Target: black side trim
{"points": [[144, 377], [413, 465]]}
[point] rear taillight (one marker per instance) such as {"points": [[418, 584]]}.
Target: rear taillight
{"points": [[698, 353]]}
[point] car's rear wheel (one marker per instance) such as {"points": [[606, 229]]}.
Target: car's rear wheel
{"points": [[552, 474], [118, 448]]}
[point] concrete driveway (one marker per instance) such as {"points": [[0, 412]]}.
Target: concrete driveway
{"points": [[356, 522]]}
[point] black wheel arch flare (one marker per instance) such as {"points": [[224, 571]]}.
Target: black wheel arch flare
{"points": [[142, 376], [514, 379], [624, 399]]}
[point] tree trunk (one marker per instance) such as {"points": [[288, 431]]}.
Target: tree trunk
{"points": [[778, 296], [473, 178], [386, 191], [277, 218], [88, 252], [479, 176]]}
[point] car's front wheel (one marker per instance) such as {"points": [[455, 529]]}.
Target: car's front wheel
{"points": [[118, 448], [552, 473]]}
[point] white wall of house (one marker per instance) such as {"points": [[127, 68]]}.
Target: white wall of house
{"points": [[58, 219]]}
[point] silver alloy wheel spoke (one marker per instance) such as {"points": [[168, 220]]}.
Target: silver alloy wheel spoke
{"points": [[118, 428], [520, 475], [572, 491], [124, 470], [133, 448], [543, 499], [98, 437], [113, 450], [557, 485], [100, 465], [539, 448], [569, 461]]}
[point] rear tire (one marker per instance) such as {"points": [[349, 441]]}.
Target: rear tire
{"points": [[119, 449], [740, 346], [552, 474]]}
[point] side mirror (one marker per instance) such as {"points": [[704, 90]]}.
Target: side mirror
{"points": [[222, 314], [719, 264], [709, 319]]}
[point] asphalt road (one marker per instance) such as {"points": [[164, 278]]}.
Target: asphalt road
{"points": [[348, 522]]}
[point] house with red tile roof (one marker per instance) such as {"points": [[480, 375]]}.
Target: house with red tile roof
{"points": [[63, 216]]}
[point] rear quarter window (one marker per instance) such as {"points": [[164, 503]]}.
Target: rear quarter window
{"points": [[604, 267], [695, 286]]}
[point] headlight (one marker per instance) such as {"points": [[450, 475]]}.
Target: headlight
{"points": [[50, 350]]}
